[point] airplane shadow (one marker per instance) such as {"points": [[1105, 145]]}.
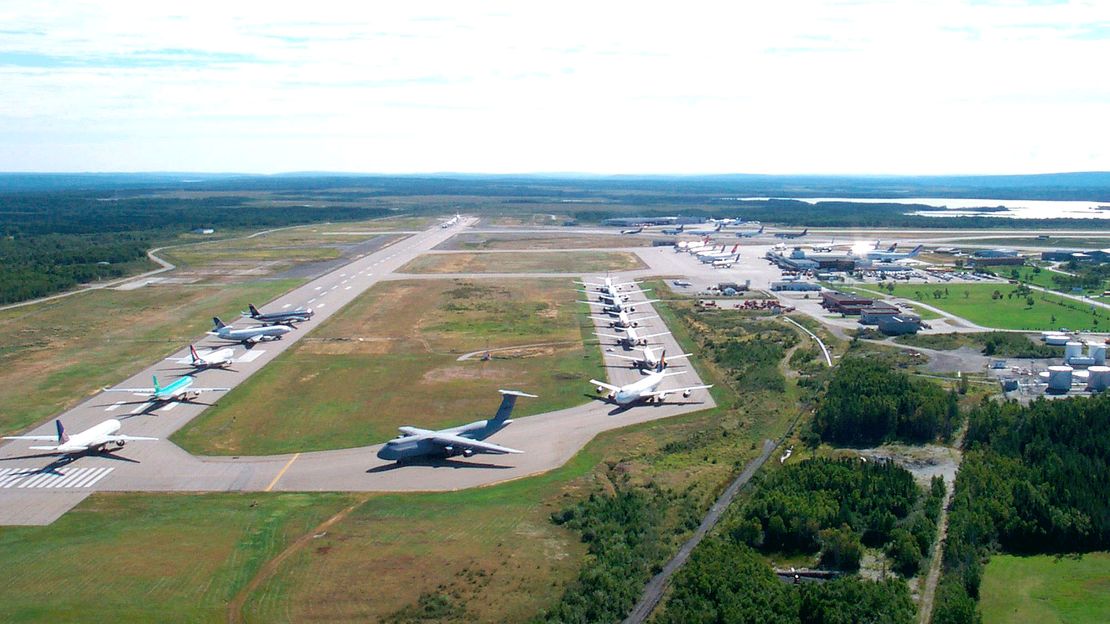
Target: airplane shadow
{"points": [[435, 463], [65, 460]]}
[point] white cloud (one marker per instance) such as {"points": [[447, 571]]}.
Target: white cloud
{"points": [[811, 86]]}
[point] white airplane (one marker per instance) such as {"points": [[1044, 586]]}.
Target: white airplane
{"points": [[250, 335], [452, 221], [616, 307], [750, 233], [608, 286], [645, 389], [712, 230], [465, 440], [649, 361], [623, 296], [726, 263], [713, 256], [623, 320], [180, 390], [94, 439], [893, 256], [215, 358], [631, 337]]}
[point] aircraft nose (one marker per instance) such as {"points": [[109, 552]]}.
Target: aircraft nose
{"points": [[388, 453]]}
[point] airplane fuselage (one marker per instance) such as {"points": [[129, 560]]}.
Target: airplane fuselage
{"points": [[413, 446]]}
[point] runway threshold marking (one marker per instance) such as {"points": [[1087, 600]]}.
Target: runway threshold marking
{"points": [[280, 474]]}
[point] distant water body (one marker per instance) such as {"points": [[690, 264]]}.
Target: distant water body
{"points": [[1011, 208]]}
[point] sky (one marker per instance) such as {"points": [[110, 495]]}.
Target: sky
{"points": [[797, 87]]}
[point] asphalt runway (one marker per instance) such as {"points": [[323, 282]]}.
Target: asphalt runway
{"points": [[37, 488]]}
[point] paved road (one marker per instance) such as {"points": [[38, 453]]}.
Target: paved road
{"points": [[38, 489]]}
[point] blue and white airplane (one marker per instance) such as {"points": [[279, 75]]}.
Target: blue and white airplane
{"points": [[465, 440], [96, 439], [646, 389], [249, 335]]}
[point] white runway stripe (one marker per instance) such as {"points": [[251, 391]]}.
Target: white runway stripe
{"points": [[286, 306], [31, 478], [98, 477], [94, 475], [114, 406], [169, 406], [312, 299], [35, 480], [69, 477], [142, 407]]}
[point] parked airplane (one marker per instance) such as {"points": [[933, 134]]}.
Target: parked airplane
{"points": [[96, 439], [452, 221], [635, 231], [216, 358], [250, 335], [631, 337], [645, 389], [623, 321], [299, 315], [792, 234], [180, 389], [674, 231], [892, 256], [649, 361], [608, 286], [616, 307], [726, 263], [750, 233], [709, 257], [712, 230], [465, 440]]}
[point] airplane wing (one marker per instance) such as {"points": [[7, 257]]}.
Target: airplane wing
{"points": [[610, 336], [456, 441], [415, 431], [32, 437], [127, 438], [132, 390], [627, 357], [43, 448], [679, 356], [654, 335], [595, 303], [676, 390], [191, 389], [604, 385]]}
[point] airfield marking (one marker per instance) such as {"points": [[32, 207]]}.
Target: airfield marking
{"points": [[250, 356], [114, 406], [347, 288], [279, 475], [319, 287], [142, 407], [169, 406], [286, 306], [312, 299], [321, 305]]}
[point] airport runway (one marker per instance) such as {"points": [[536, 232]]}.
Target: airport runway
{"points": [[36, 489]]}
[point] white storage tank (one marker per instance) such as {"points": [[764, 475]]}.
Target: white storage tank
{"points": [[1058, 339], [1099, 378], [1097, 353], [1072, 349], [1059, 378], [1046, 334]]}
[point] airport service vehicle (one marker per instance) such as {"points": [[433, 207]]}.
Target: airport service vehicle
{"points": [[213, 358], [649, 361], [466, 440], [95, 439], [299, 315], [249, 335], [180, 389], [631, 337], [646, 389]]}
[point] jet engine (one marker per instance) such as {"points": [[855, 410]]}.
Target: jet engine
{"points": [[120, 443], [468, 452], [685, 394], [600, 389]]}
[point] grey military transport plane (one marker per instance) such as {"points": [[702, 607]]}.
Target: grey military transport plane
{"points": [[465, 440], [299, 315]]}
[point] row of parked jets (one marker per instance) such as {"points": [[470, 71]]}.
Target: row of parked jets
{"points": [[617, 306], [105, 436]]}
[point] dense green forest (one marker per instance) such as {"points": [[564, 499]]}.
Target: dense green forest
{"points": [[50, 242], [869, 403], [1033, 480]]}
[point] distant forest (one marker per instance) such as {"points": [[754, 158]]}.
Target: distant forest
{"points": [[50, 242]]}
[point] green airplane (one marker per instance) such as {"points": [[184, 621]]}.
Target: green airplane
{"points": [[180, 390]]}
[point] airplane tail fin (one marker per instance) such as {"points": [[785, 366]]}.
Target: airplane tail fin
{"points": [[193, 351], [63, 437], [157, 388], [218, 322], [805, 231], [916, 250], [760, 230], [254, 310], [662, 362], [508, 400]]}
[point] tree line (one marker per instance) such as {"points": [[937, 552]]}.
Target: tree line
{"points": [[1033, 480]]}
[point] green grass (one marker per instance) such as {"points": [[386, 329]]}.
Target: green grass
{"points": [[1049, 311], [150, 557], [390, 359], [57, 353], [925, 313], [1046, 589], [576, 262]]}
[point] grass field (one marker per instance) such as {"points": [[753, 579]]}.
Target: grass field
{"points": [[1046, 589], [390, 359], [576, 262], [481, 241], [1049, 311], [54, 354], [144, 558]]}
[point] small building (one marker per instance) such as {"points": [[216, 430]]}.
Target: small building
{"points": [[871, 314], [998, 261], [796, 286], [204, 231], [844, 303], [899, 325], [994, 253], [1059, 255]]}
